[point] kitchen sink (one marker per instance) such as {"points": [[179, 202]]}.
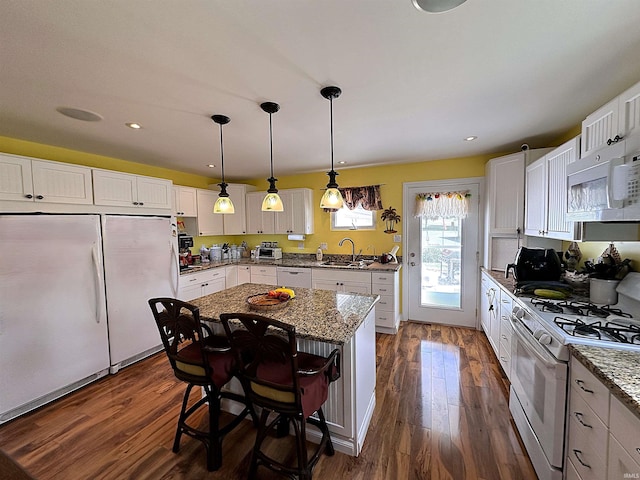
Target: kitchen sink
{"points": [[333, 263]]}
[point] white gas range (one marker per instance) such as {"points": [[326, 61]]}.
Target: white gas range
{"points": [[543, 329]]}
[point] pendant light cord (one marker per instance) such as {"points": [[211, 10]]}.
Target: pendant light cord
{"points": [[271, 144], [221, 154], [331, 109]]}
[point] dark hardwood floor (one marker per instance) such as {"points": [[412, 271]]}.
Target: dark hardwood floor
{"points": [[441, 413]]}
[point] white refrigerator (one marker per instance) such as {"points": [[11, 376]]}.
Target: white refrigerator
{"points": [[53, 323], [73, 300], [140, 262]]}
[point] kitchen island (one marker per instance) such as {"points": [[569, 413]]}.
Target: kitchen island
{"points": [[324, 320]]}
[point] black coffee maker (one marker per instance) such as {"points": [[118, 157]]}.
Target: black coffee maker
{"points": [[185, 242], [535, 264]]}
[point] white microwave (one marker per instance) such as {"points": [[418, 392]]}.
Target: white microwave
{"points": [[605, 186], [272, 253]]}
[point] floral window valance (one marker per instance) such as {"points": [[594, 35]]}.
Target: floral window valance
{"points": [[368, 197], [442, 204]]}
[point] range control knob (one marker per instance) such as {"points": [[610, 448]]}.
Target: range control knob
{"points": [[545, 339]]}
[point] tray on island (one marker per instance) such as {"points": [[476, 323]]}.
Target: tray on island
{"points": [[264, 303]]}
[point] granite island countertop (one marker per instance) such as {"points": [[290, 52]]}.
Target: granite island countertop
{"points": [[617, 369], [321, 315]]}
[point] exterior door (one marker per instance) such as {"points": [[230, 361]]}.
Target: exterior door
{"points": [[441, 258]]}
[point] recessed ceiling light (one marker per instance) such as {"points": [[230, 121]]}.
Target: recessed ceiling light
{"points": [[470, 138], [79, 114], [342, 162], [135, 126], [436, 6], [211, 165]]}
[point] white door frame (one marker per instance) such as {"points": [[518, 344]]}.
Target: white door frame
{"points": [[408, 205]]}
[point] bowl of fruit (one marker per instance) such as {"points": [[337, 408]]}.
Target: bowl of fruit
{"points": [[273, 300]]}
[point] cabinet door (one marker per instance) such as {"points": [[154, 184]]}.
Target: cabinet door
{"points": [[557, 225], [209, 223], [599, 127], [257, 220], [298, 214], [214, 285], [185, 202], [61, 183], [535, 200], [326, 284], [114, 188], [236, 223], [231, 276], [244, 274], [507, 194], [153, 192], [356, 287], [629, 111], [15, 178]]}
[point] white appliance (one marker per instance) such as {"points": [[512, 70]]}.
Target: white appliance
{"points": [[271, 253], [542, 330], [53, 323], [62, 325], [140, 261], [605, 186]]}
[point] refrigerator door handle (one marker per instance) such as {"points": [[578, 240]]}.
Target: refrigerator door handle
{"points": [[97, 270], [174, 262]]}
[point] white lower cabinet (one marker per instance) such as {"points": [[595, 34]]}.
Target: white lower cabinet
{"points": [[387, 285], [204, 282], [231, 276], [264, 274], [603, 434], [341, 281], [244, 274]]}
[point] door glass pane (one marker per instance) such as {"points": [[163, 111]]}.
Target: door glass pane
{"points": [[441, 245]]}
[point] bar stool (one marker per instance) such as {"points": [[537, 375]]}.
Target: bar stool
{"points": [[201, 359], [280, 379]]}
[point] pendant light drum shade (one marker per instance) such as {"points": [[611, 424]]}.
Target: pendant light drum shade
{"points": [[332, 198], [436, 6], [223, 203], [272, 201]]}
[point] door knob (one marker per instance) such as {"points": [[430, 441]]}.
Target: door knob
{"points": [[413, 264]]}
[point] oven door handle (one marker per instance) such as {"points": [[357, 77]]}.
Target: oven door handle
{"points": [[538, 350]]}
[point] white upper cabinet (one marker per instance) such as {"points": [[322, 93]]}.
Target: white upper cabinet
{"points": [[546, 193], [506, 194], [297, 216], [620, 117], [126, 190], [31, 180], [298, 212], [185, 201], [257, 220], [208, 223], [236, 223]]}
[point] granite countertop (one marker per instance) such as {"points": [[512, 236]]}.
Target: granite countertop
{"points": [[292, 261], [498, 275], [617, 369], [321, 315]]}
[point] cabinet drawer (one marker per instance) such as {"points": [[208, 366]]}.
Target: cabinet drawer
{"points": [[589, 464], [592, 390], [587, 433], [383, 278], [264, 270], [506, 333], [378, 289], [385, 319], [625, 426], [504, 356], [621, 464], [386, 303]]}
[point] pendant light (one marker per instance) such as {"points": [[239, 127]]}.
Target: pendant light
{"points": [[332, 197], [223, 203], [272, 201]]}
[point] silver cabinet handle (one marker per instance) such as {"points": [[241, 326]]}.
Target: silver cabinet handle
{"points": [[579, 417]]}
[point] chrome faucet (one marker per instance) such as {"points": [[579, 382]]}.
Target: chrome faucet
{"points": [[353, 247]]}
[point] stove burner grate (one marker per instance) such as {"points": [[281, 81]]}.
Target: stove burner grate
{"points": [[546, 306], [611, 331]]}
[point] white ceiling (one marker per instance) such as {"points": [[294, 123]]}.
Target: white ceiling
{"points": [[414, 84]]}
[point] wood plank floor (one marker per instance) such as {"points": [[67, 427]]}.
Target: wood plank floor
{"points": [[442, 413]]}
